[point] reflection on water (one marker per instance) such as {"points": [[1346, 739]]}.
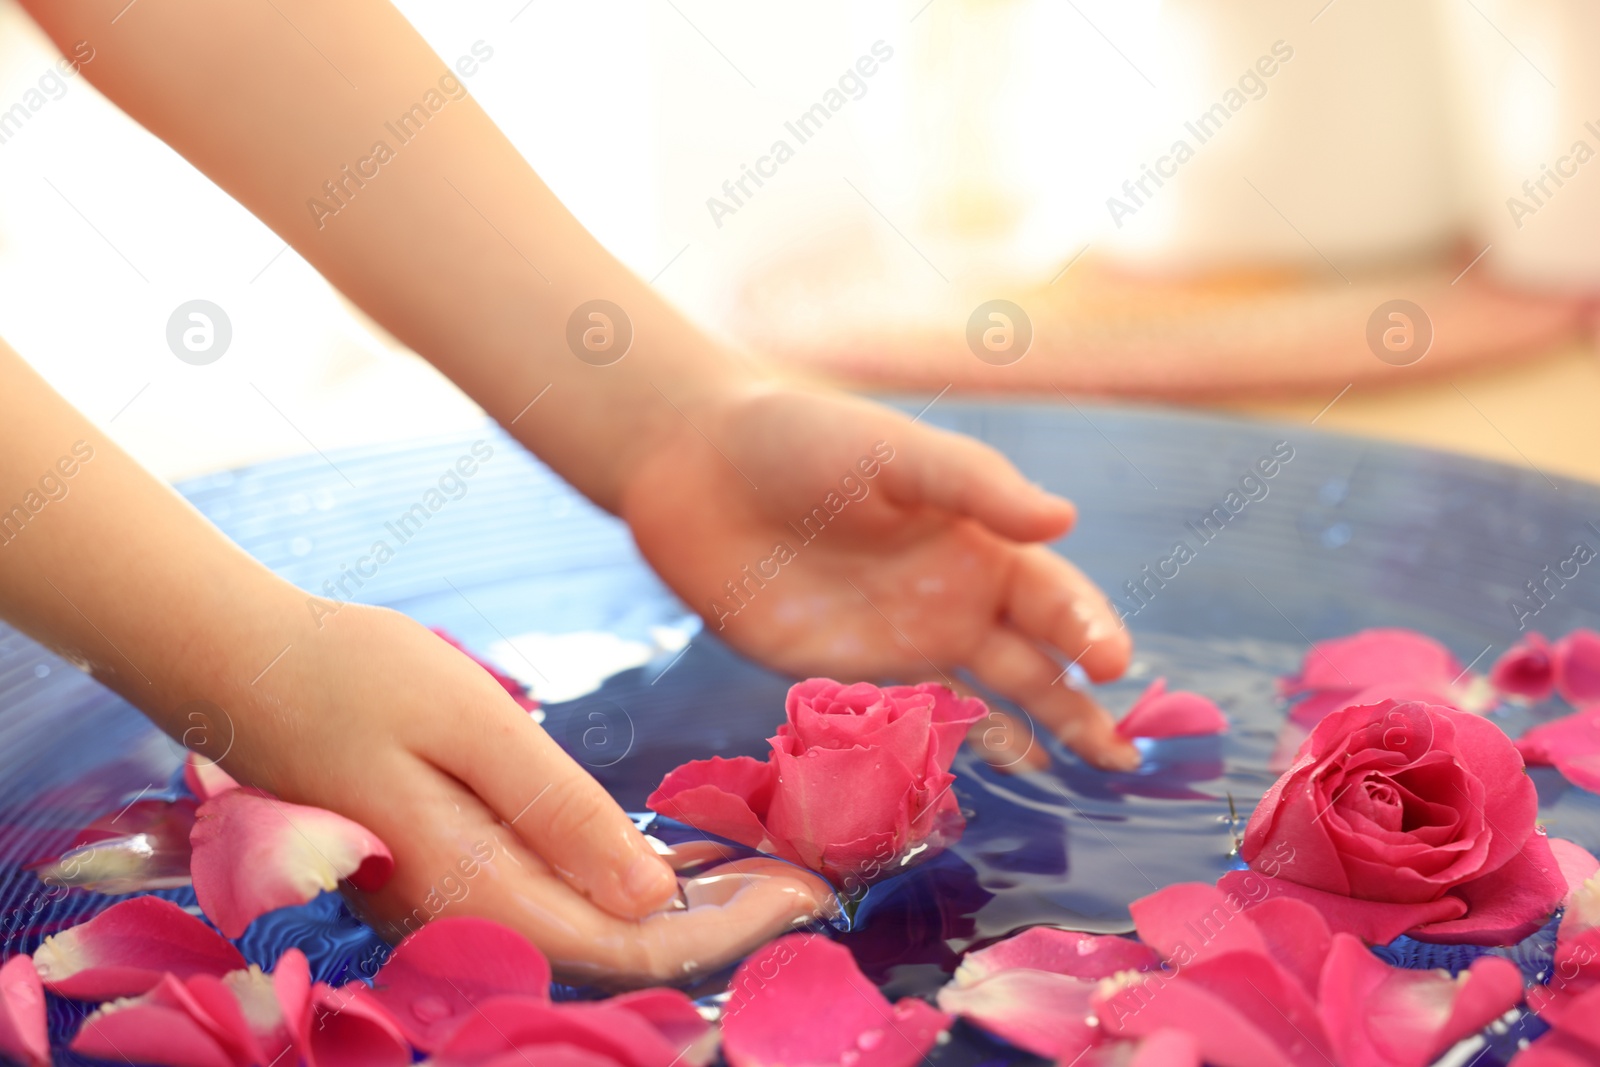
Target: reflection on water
{"points": [[1068, 846]]}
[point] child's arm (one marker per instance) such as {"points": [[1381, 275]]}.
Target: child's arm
{"points": [[362, 711], [446, 236]]}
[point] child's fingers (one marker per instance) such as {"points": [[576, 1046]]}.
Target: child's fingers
{"points": [[557, 809], [491, 873], [964, 476], [1051, 601], [1012, 666]]}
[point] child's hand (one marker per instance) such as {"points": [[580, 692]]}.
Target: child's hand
{"points": [[376, 718], [919, 569], [361, 711]]}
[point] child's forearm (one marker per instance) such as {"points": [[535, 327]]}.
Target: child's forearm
{"points": [[443, 234], [116, 572]]}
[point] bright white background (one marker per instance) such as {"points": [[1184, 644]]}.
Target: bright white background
{"points": [[991, 141]]}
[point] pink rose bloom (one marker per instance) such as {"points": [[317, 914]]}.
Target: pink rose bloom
{"points": [[857, 779], [1404, 817]]}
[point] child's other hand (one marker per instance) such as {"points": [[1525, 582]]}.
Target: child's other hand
{"points": [[372, 716], [860, 544]]}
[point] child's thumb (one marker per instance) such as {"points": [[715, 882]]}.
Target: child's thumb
{"points": [[564, 816]]}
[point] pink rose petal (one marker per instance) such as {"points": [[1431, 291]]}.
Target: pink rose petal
{"points": [[726, 797], [1042, 1013], [1374, 922], [1046, 948], [1382, 1016], [1506, 905], [1164, 1048], [1296, 937], [1335, 671], [1192, 920], [1571, 744], [1556, 1049], [127, 948], [675, 1017], [254, 853], [1577, 657], [165, 1025], [1577, 863], [24, 1033], [1576, 1014], [1159, 713], [1033, 989], [1526, 669], [434, 976], [811, 810], [507, 1024], [846, 1020], [349, 1028], [1373, 657], [204, 778], [1240, 1013]]}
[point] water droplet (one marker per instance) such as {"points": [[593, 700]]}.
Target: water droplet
{"points": [[903, 1012], [868, 1040], [849, 1057], [430, 1008]]}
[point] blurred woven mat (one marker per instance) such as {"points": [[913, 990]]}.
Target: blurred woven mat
{"points": [[1101, 330]]}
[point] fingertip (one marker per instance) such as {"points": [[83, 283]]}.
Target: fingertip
{"points": [[1094, 737], [648, 885], [1116, 755], [1056, 509], [1109, 654]]}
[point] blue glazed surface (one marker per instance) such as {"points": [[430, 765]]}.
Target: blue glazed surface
{"points": [[1350, 534]]}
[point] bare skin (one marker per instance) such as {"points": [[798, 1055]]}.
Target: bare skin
{"points": [[708, 454]]}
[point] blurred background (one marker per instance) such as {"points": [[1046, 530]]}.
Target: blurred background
{"points": [[1213, 204]]}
